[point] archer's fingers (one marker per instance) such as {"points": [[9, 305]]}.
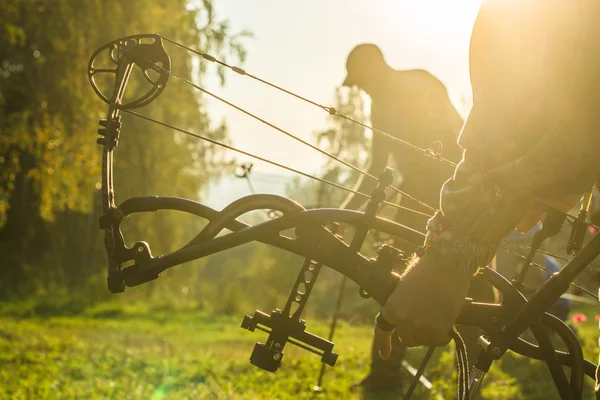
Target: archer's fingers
{"points": [[383, 336], [383, 342]]}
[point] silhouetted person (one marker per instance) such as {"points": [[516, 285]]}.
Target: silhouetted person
{"points": [[411, 105]]}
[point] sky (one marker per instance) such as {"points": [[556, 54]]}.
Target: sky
{"points": [[302, 46]]}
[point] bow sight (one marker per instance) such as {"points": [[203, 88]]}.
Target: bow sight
{"points": [[314, 240]]}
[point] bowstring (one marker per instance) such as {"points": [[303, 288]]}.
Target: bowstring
{"points": [[330, 110], [251, 155], [539, 266], [547, 253], [281, 130]]}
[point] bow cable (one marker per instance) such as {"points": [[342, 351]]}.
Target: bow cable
{"points": [[550, 272], [547, 253], [329, 110], [337, 185], [277, 128]]}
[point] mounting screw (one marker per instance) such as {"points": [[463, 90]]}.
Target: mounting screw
{"points": [[483, 342], [494, 320], [277, 356], [118, 213], [496, 351], [277, 346], [140, 249]]}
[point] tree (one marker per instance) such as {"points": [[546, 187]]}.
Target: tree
{"points": [[345, 140], [49, 163]]}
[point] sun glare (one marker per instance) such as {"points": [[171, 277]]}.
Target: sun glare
{"points": [[440, 13], [433, 35], [448, 20]]}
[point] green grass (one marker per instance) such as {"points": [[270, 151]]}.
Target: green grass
{"points": [[110, 353]]}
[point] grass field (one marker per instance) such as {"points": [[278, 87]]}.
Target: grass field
{"points": [[112, 353]]}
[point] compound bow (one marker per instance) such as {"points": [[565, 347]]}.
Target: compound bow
{"points": [[314, 239]]}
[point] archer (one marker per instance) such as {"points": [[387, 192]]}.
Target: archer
{"points": [[530, 141], [414, 106]]}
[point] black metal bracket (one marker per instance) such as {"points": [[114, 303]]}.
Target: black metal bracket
{"points": [[580, 225], [282, 329]]}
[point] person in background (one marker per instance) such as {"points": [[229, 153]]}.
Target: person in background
{"points": [[411, 105], [414, 106]]}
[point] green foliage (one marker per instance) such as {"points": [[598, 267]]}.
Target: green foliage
{"points": [[348, 141], [344, 139], [49, 162], [162, 340]]}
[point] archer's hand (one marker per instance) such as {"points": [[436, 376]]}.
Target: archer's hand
{"points": [[424, 306]]}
